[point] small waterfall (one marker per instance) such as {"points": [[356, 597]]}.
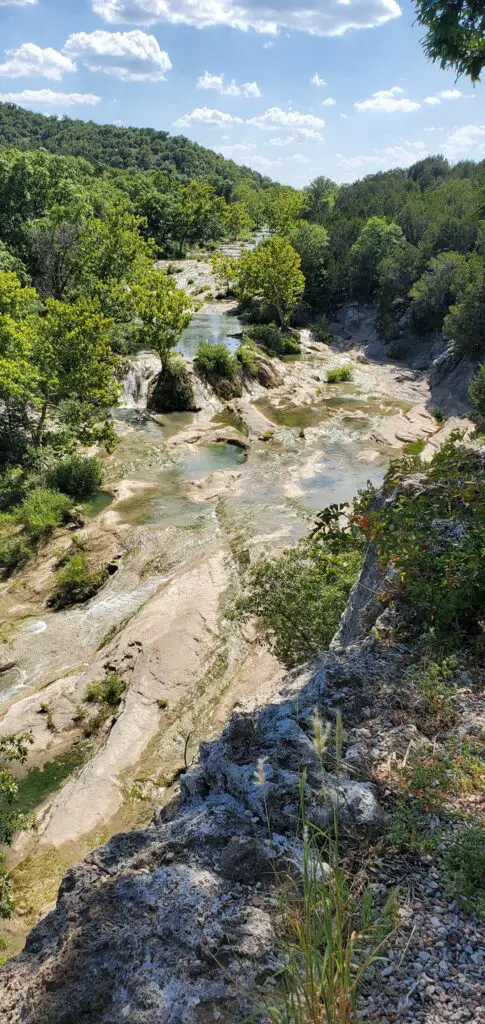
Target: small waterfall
{"points": [[143, 367]]}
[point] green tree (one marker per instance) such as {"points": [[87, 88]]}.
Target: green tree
{"points": [[435, 290], [74, 366], [12, 749], [465, 321], [455, 34], [378, 239], [271, 273], [311, 243], [237, 221], [396, 275], [320, 197], [164, 311], [199, 214], [476, 392], [284, 206]]}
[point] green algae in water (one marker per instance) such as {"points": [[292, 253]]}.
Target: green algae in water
{"points": [[98, 503], [230, 419], [39, 783], [210, 459], [306, 416]]}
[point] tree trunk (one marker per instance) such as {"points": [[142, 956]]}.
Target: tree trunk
{"points": [[39, 432]]}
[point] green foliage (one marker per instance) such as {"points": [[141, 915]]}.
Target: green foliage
{"points": [[248, 359], [464, 869], [299, 596], [311, 243], [173, 391], [437, 692], [76, 581], [13, 749], [476, 392], [271, 274], [433, 538], [108, 691], [274, 340], [320, 330], [465, 322], [377, 240], [455, 34], [340, 374], [396, 272], [433, 293], [42, 511], [15, 551], [164, 310], [77, 476], [215, 360]]}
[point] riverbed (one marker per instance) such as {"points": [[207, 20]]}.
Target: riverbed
{"points": [[189, 501]]}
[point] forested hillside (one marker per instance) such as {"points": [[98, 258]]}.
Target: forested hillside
{"points": [[134, 149]]}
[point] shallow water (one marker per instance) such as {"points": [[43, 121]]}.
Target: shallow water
{"points": [[327, 407], [211, 325]]}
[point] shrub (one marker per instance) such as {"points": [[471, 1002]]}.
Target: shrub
{"points": [[42, 510], [464, 869], [173, 391], [274, 340], [108, 691], [77, 476], [300, 596], [340, 374], [215, 360], [476, 392], [320, 330], [246, 356], [14, 552], [432, 536], [437, 694], [76, 582]]}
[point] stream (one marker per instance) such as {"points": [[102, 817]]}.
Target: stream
{"points": [[189, 499]]}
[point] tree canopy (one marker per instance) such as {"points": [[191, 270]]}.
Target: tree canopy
{"points": [[455, 34]]}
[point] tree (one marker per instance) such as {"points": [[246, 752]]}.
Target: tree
{"points": [[476, 392], [397, 271], [455, 34], [320, 197], [53, 250], [435, 290], [378, 239], [311, 243], [164, 310], [284, 206], [12, 749], [272, 274], [465, 321], [199, 214], [237, 221]]}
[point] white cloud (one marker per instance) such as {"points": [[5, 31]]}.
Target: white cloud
{"points": [[344, 116], [30, 59], [239, 147], [277, 141], [317, 80], [402, 154], [16, 3], [386, 101], [329, 102], [454, 94], [48, 98], [250, 90], [275, 117], [262, 163], [131, 56], [207, 116], [432, 101], [332, 18], [299, 158], [467, 141], [311, 135], [268, 45]]}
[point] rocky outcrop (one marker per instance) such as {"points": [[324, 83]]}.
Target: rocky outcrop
{"points": [[449, 377], [175, 924], [173, 389]]}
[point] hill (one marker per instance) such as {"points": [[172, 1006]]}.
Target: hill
{"points": [[107, 145]]}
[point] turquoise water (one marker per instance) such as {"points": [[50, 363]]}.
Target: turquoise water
{"points": [[210, 325]]}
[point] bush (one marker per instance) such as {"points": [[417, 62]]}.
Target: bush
{"points": [[77, 476], [76, 582], [465, 322], [274, 340], [215, 360], [14, 552], [108, 691], [300, 596], [320, 330], [42, 510], [432, 537], [476, 392], [464, 867], [246, 356], [173, 391], [340, 374]]}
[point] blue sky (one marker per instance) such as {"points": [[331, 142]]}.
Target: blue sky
{"points": [[340, 88]]}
